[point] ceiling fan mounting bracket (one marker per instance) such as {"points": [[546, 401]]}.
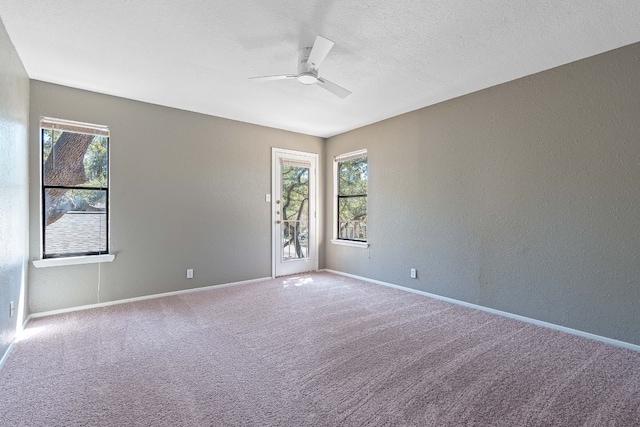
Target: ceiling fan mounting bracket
{"points": [[303, 57]]}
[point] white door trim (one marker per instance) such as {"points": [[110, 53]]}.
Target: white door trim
{"points": [[274, 170]]}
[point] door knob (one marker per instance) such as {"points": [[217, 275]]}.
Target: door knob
{"points": [[278, 222]]}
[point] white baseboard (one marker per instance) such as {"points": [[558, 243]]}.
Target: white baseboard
{"points": [[548, 325], [6, 353], [536, 322], [13, 342], [142, 298]]}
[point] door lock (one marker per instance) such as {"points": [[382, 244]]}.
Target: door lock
{"points": [[278, 222]]}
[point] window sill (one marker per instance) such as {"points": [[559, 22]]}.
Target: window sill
{"points": [[350, 243], [75, 260]]}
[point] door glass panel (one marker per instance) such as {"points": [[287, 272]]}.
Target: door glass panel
{"points": [[295, 212]]}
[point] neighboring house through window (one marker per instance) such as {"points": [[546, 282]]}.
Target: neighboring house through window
{"points": [[75, 188], [350, 188]]}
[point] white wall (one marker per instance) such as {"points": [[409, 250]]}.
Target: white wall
{"points": [[187, 191], [14, 113], [524, 197]]}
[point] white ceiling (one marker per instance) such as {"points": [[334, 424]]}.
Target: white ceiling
{"points": [[395, 56]]}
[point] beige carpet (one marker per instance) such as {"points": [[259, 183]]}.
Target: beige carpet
{"points": [[314, 350]]}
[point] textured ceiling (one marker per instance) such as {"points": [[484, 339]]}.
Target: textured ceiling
{"points": [[395, 56]]}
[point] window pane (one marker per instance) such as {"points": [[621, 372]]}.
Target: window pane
{"points": [[295, 212], [352, 177], [352, 218], [75, 221], [295, 192], [74, 159], [295, 239]]}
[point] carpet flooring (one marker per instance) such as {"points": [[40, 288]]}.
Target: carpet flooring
{"points": [[310, 350]]}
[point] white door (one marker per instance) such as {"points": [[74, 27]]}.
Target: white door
{"points": [[294, 212]]}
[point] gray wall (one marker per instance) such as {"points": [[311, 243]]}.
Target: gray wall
{"points": [[14, 196], [187, 191], [524, 197]]}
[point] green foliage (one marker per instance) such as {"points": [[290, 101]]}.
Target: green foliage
{"points": [[295, 192], [96, 166], [49, 137], [353, 177], [96, 162]]}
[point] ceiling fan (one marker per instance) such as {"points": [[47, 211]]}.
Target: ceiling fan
{"points": [[309, 60]]}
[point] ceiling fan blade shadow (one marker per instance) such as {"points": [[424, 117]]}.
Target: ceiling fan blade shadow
{"points": [[269, 78], [333, 88], [321, 48]]}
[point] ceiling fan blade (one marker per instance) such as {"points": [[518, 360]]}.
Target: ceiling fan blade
{"points": [[278, 77], [321, 48], [333, 88]]}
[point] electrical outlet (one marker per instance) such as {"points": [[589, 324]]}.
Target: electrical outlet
{"points": [[190, 273], [12, 309], [414, 273]]}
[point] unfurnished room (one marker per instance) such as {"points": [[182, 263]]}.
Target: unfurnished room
{"points": [[319, 213]]}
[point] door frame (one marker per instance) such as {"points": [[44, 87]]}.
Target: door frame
{"points": [[312, 193]]}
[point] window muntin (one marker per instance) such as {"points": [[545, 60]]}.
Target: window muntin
{"points": [[352, 177], [75, 188]]}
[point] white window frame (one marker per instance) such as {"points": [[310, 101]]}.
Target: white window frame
{"points": [[73, 126], [337, 159]]}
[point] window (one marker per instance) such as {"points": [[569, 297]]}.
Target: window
{"points": [[75, 188], [351, 197]]}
